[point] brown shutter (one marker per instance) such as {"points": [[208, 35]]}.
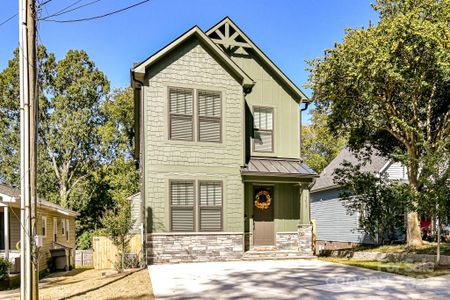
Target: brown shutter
{"points": [[182, 206], [209, 116], [210, 206], [181, 103]]}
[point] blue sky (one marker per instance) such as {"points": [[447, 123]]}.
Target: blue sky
{"points": [[288, 31]]}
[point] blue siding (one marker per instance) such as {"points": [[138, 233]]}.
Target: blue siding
{"points": [[333, 223]]}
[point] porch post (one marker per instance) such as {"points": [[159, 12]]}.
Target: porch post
{"points": [[304, 205], [6, 230]]}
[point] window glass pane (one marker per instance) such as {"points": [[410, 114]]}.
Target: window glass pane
{"points": [[263, 118], [263, 141], [182, 193], [209, 104], [210, 194], [181, 101], [182, 219], [209, 130], [181, 128], [210, 219]]}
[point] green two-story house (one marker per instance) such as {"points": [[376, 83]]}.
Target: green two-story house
{"points": [[218, 125]]}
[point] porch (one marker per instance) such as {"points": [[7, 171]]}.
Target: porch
{"points": [[277, 208]]}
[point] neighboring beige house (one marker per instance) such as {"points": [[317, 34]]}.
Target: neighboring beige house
{"points": [[218, 131], [55, 226]]}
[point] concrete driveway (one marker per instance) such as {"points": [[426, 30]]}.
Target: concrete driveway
{"points": [[294, 279]]}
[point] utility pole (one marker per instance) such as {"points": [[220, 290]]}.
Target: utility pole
{"points": [[28, 142]]}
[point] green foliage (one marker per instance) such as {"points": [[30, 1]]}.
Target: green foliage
{"points": [[84, 240], [117, 224], [380, 202], [319, 145], [389, 86], [4, 269]]}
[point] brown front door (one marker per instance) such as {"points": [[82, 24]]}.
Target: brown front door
{"points": [[263, 226]]}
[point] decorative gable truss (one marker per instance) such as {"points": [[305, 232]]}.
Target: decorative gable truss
{"points": [[229, 39]]}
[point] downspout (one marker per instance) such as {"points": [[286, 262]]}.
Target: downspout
{"points": [[300, 129], [143, 228]]}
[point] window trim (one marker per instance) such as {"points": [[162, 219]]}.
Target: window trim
{"points": [[180, 116], [209, 207], [44, 226], [194, 219], [67, 229], [55, 230], [219, 119], [264, 130]]}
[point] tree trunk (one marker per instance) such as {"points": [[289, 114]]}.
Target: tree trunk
{"points": [[413, 235]]}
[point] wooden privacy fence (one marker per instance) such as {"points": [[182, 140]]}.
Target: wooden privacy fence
{"points": [[84, 258], [105, 253]]}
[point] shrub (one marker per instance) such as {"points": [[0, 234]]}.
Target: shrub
{"points": [[4, 267]]}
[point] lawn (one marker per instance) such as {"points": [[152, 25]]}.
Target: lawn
{"points": [[426, 248], [401, 268], [97, 284]]}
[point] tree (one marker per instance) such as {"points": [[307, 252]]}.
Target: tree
{"points": [[70, 120], [380, 202], [389, 85], [319, 145], [117, 224]]}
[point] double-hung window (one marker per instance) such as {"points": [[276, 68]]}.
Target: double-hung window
{"points": [[210, 206], [199, 109], [182, 205], [44, 226], [263, 129], [209, 116], [181, 109], [191, 213]]}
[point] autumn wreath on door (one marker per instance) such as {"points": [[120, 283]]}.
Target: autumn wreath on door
{"points": [[263, 199]]}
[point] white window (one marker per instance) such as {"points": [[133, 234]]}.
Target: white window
{"points": [[67, 230], [63, 226], [210, 206], [263, 129], [44, 226], [55, 229]]}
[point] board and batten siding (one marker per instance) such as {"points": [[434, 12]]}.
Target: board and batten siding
{"points": [[333, 223], [268, 92], [191, 66]]}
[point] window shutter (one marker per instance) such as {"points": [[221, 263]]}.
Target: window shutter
{"points": [[210, 116], [182, 202], [210, 206], [181, 114]]}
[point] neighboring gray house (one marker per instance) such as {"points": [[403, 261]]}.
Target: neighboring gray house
{"points": [[335, 228], [218, 125]]}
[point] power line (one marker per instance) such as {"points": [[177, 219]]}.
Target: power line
{"points": [[66, 9], [97, 17], [9, 19]]}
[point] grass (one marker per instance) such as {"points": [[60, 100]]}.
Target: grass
{"points": [[426, 248], [401, 268]]}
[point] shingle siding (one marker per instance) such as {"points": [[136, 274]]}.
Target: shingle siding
{"points": [[333, 223], [191, 66]]}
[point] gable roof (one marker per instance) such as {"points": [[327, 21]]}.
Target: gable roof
{"points": [[273, 67], [15, 193], [140, 68], [325, 180]]}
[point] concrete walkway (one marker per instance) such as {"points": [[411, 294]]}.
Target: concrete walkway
{"points": [[294, 279]]}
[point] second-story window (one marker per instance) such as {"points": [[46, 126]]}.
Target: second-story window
{"points": [[263, 129], [209, 116], [181, 102]]}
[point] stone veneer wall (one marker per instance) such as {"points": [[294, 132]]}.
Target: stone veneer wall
{"points": [[305, 239], [287, 240], [193, 247]]}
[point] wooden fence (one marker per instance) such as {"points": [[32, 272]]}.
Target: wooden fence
{"points": [[105, 253], [83, 258]]}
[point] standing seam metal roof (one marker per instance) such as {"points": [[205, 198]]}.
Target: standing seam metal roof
{"points": [[283, 167]]}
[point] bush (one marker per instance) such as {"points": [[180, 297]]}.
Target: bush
{"points": [[4, 267], [84, 241]]}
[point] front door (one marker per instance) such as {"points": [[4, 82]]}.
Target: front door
{"points": [[263, 226]]}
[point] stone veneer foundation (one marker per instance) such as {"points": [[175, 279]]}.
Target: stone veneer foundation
{"points": [[194, 247], [305, 239]]}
